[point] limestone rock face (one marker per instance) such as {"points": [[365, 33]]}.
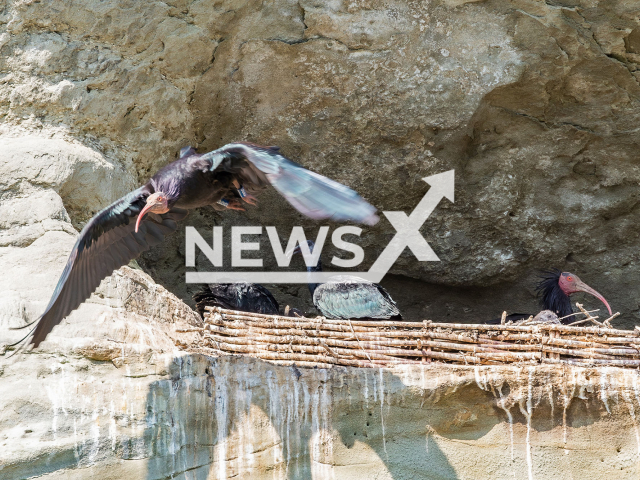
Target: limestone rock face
{"points": [[535, 106], [164, 415]]}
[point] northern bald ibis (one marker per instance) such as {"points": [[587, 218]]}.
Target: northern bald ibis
{"points": [[347, 296], [221, 178], [555, 288], [245, 297]]}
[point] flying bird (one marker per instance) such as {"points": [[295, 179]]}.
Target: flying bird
{"points": [[244, 297], [555, 288], [223, 178], [347, 296]]}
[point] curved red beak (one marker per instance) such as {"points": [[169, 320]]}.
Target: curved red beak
{"points": [[143, 212], [583, 287]]}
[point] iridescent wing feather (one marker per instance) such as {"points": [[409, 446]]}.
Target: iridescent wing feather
{"points": [[313, 195], [106, 243]]}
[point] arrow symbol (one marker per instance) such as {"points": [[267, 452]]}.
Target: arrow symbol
{"points": [[408, 227]]}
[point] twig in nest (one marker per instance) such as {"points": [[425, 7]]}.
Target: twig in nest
{"points": [[464, 357], [608, 320], [504, 318], [584, 320], [331, 352], [589, 317], [578, 313], [526, 322], [358, 340], [211, 339]]}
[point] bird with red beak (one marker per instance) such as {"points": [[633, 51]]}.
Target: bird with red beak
{"points": [[225, 179], [556, 287], [156, 203]]}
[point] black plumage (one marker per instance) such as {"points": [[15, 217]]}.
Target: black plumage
{"points": [[222, 178], [105, 244], [245, 297], [554, 289], [551, 295], [346, 296]]}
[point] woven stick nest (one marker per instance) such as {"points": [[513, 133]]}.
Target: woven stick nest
{"points": [[361, 343]]}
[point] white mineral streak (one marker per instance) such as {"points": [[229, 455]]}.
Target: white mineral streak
{"points": [[566, 401], [113, 429], [240, 417], [322, 431], [604, 389], [384, 438], [365, 391], [221, 411], [629, 400], [627, 395], [528, 414], [501, 403]]}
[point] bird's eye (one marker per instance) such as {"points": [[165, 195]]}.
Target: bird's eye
{"points": [[570, 279]]}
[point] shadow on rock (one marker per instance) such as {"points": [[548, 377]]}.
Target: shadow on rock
{"points": [[236, 416]]}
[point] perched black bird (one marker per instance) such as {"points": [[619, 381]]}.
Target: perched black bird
{"points": [[245, 297], [555, 288], [221, 178], [346, 296]]}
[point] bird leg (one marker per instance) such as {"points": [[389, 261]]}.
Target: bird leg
{"points": [[233, 204], [250, 199], [244, 195]]}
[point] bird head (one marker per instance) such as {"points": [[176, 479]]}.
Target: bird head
{"points": [[570, 283], [156, 203]]}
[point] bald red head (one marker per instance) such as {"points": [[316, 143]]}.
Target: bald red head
{"points": [[156, 203], [570, 283]]}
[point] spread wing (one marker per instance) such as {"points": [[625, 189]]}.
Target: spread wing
{"points": [[106, 243], [312, 194]]}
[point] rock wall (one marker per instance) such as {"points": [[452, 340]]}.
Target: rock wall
{"points": [[193, 417], [534, 104]]}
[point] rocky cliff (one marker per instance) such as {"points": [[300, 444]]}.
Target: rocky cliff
{"points": [[171, 415], [533, 103]]}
